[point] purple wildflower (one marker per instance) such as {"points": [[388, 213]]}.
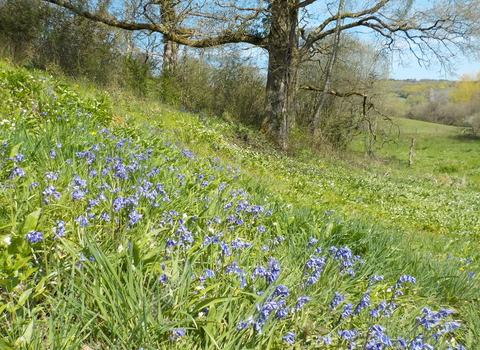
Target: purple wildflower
{"points": [[33, 236], [177, 333], [60, 229], [289, 338], [301, 301], [82, 220]]}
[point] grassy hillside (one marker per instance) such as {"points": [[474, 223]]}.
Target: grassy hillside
{"points": [[447, 155], [125, 224]]}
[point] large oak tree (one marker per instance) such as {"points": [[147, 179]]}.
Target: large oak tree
{"points": [[290, 31]]}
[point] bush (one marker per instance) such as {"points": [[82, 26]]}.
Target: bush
{"points": [[42, 37]]}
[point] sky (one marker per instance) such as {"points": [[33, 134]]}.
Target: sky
{"points": [[410, 69], [414, 71]]}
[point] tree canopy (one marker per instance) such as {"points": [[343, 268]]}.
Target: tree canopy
{"points": [[292, 31]]}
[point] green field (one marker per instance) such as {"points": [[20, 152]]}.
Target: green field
{"points": [[127, 224], [447, 155]]}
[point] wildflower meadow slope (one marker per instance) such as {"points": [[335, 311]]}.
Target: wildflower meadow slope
{"points": [[122, 236]]}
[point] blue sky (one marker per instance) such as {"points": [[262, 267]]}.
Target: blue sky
{"points": [[410, 68], [414, 71]]}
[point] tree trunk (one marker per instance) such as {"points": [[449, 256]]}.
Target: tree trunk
{"points": [[328, 74], [170, 55], [282, 71], [170, 48]]}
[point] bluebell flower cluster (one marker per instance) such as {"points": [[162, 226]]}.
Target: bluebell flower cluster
{"points": [[178, 333], [59, 231], [270, 273], [289, 338], [34, 236], [118, 184]]}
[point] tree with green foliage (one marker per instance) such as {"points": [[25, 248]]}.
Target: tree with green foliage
{"points": [[291, 30], [355, 95], [21, 23], [35, 34]]}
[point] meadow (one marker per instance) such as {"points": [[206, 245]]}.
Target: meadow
{"points": [[127, 224], [447, 155]]}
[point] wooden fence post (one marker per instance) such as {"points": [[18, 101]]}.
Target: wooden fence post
{"points": [[410, 158]]}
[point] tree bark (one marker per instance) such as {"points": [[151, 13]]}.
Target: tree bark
{"points": [[282, 47], [328, 73], [170, 55], [170, 48], [426, 31]]}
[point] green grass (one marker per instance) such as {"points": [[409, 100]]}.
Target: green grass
{"points": [[446, 155], [123, 284]]}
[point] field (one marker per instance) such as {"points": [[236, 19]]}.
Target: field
{"points": [[444, 154], [126, 224]]}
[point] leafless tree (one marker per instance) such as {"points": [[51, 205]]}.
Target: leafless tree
{"points": [[289, 30]]}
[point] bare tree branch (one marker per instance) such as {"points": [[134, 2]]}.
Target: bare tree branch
{"points": [[305, 3], [178, 35], [330, 64], [316, 34]]}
